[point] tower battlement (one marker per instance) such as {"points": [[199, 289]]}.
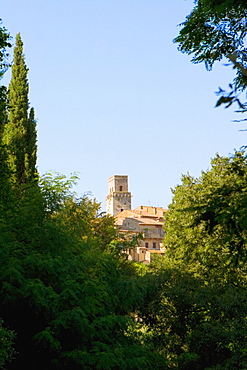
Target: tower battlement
{"points": [[119, 197]]}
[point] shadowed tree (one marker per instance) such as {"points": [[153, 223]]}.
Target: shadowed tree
{"points": [[6, 336], [4, 170], [4, 44]]}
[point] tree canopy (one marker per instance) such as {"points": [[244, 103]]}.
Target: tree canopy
{"points": [[206, 221], [67, 294], [216, 29], [195, 304]]}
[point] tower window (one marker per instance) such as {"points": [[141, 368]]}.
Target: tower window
{"points": [[154, 245], [120, 188]]}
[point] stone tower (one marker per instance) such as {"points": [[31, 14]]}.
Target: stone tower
{"points": [[118, 198]]}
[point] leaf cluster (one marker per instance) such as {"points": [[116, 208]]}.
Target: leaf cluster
{"points": [[7, 352], [4, 45], [216, 29]]}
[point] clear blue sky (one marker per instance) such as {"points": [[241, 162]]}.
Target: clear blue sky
{"points": [[113, 95]]}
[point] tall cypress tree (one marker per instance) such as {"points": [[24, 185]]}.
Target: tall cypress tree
{"points": [[20, 131], [31, 148]]}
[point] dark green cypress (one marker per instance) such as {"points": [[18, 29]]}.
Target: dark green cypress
{"points": [[20, 131], [31, 148], [3, 110]]}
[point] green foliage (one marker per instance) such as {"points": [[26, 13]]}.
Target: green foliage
{"points": [[55, 189], [206, 222], [31, 148], [195, 304], [3, 110], [6, 192], [80, 216], [74, 291], [194, 324], [15, 130], [7, 352], [214, 30], [5, 174], [20, 131], [74, 303], [4, 44]]}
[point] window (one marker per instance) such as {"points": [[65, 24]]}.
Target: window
{"points": [[120, 188], [146, 245], [121, 209], [154, 245], [159, 230]]}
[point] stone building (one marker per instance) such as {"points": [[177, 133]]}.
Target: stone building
{"points": [[118, 198], [144, 219]]}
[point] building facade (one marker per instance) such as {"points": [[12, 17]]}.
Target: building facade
{"points": [[145, 220]]}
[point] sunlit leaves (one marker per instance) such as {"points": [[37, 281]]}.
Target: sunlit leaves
{"points": [[206, 222]]}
